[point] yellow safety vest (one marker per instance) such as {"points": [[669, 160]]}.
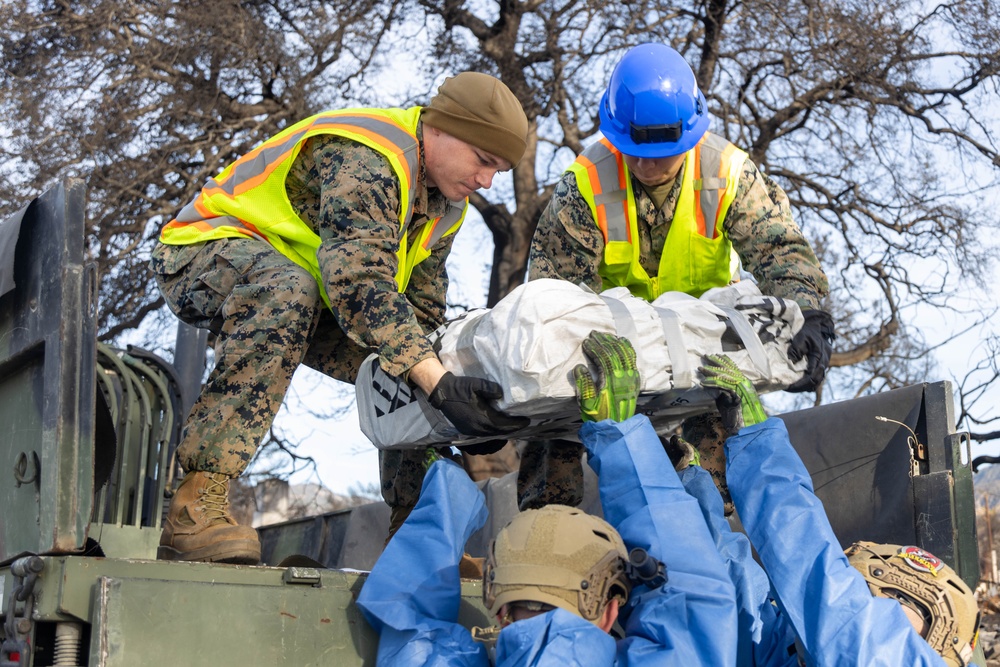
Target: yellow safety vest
{"points": [[697, 255], [248, 198]]}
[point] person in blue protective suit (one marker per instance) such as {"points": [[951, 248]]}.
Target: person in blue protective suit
{"points": [[885, 605], [556, 578], [764, 636]]}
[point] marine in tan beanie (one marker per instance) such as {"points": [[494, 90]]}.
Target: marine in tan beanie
{"points": [[480, 110]]}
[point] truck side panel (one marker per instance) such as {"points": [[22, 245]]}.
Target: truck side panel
{"points": [[47, 386]]}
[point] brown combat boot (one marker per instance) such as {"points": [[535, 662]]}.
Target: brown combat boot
{"points": [[199, 527]]}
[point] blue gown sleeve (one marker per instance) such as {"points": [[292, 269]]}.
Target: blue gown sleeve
{"points": [[690, 620], [412, 595], [827, 601], [764, 637]]}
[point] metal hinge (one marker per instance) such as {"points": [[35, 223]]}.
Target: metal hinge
{"points": [[306, 576], [918, 451]]}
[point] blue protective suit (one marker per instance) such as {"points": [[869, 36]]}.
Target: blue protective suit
{"points": [[411, 596], [764, 639], [821, 595]]}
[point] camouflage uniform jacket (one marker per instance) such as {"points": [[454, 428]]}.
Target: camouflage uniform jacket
{"points": [[348, 194], [568, 244]]}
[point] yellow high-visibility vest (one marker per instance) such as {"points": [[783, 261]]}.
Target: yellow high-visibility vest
{"points": [[696, 255], [248, 198]]}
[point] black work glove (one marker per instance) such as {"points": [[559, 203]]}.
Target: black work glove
{"points": [[814, 342], [730, 409], [466, 402], [483, 448]]}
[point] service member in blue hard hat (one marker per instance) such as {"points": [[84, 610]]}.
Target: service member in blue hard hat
{"points": [[661, 204]]}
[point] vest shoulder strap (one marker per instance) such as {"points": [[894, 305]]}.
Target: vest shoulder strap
{"points": [[720, 164], [385, 132], [600, 172]]}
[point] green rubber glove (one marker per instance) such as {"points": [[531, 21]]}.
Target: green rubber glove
{"points": [[443, 453], [612, 395], [737, 401], [430, 456]]}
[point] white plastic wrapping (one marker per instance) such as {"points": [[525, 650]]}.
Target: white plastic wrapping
{"points": [[531, 340]]}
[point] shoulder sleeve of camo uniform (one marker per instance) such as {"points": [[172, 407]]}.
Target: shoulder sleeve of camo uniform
{"points": [[771, 245], [567, 243], [359, 228]]}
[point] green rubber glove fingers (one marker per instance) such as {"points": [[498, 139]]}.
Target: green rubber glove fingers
{"points": [[613, 393], [722, 373], [430, 456]]}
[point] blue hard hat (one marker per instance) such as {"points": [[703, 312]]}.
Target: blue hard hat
{"points": [[652, 107]]}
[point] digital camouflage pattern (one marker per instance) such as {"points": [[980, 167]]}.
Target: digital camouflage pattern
{"points": [[550, 474], [568, 244], [267, 311], [551, 470], [401, 472], [708, 435], [349, 195]]}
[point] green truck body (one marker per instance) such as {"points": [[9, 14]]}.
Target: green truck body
{"points": [[86, 438]]}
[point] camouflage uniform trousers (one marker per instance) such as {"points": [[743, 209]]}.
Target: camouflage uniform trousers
{"points": [[402, 473], [268, 317], [551, 471], [706, 433]]}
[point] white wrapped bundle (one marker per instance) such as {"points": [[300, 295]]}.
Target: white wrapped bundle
{"points": [[531, 340]]}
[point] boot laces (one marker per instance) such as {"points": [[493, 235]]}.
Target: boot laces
{"points": [[215, 498]]}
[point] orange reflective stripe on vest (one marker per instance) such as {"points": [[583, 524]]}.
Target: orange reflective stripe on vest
{"points": [[610, 187], [248, 197], [424, 239], [696, 254]]}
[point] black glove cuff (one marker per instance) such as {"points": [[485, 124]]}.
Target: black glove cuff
{"points": [[822, 320], [440, 393], [730, 408]]}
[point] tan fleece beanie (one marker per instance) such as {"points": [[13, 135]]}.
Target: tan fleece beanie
{"points": [[480, 110]]}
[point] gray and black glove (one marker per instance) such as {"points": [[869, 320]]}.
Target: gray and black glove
{"points": [[467, 403], [681, 453], [814, 342]]}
